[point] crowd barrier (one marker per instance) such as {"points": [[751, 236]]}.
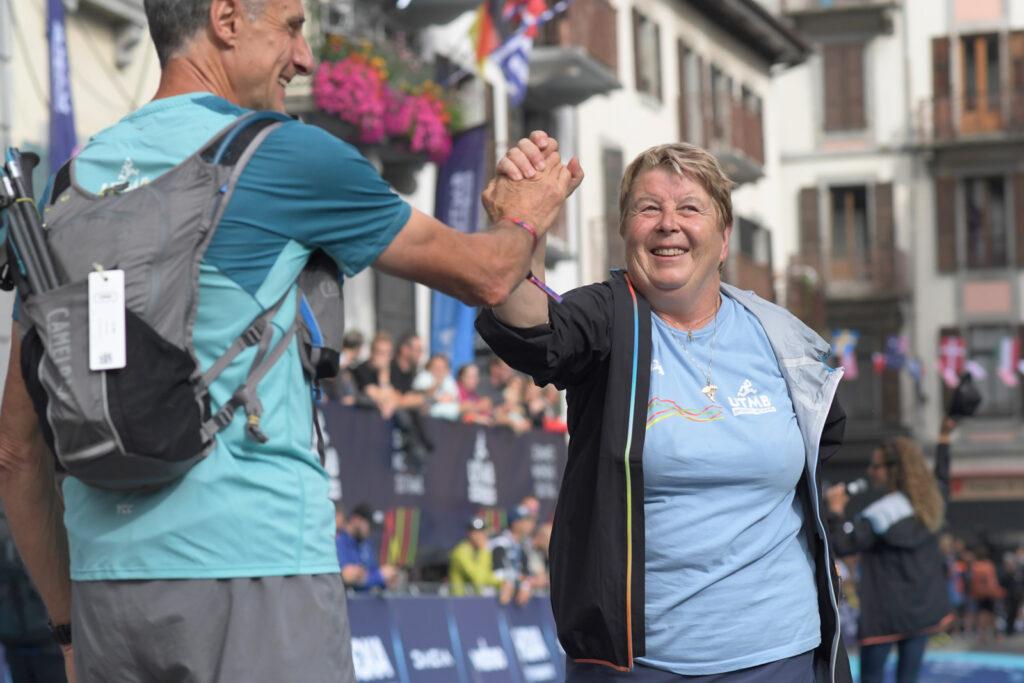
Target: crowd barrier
{"points": [[453, 640], [471, 470]]}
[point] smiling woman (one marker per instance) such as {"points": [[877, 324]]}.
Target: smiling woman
{"points": [[687, 543]]}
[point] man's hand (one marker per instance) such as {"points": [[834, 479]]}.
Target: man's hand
{"points": [[946, 429], [524, 593], [532, 183], [389, 573], [837, 498]]}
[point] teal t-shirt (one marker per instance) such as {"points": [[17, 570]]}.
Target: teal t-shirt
{"points": [[248, 509], [729, 578]]}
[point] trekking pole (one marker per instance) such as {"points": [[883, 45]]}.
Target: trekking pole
{"points": [[27, 264], [25, 205]]}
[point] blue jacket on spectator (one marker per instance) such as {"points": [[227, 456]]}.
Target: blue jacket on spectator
{"points": [[351, 551]]}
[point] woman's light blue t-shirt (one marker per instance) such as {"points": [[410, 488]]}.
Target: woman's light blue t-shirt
{"points": [[248, 509], [729, 579]]}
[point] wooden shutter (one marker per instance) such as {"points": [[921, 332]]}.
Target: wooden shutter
{"points": [[854, 83], [942, 104], [683, 101], [657, 61], [1017, 79], [639, 82], [945, 223], [832, 64], [884, 260], [611, 169], [705, 103], [1018, 210], [810, 232]]}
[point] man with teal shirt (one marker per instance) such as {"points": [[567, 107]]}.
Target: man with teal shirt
{"points": [[230, 573]]}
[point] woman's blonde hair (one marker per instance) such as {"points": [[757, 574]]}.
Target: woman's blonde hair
{"points": [[910, 474], [682, 159]]}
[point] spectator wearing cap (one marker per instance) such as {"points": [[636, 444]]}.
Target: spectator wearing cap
{"points": [[470, 571], [509, 551], [359, 568]]}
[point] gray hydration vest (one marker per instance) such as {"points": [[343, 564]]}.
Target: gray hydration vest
{"points": [[145, 425]]}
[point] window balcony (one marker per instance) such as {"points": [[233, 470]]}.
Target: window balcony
{"points": [[882, 276], [739, 143], [816, 18], [421, 13], [575, 56], [970, 118]]}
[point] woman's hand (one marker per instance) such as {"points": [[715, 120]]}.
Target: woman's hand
{"points": [[69, 662], [946, 429], [837, 498]]}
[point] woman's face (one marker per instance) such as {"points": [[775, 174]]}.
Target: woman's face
{"points": [[878, 471], [673, 240], [470, 379]]}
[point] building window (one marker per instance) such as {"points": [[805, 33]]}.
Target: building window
{"points": [[647, 55], [983, 345], [981, 83], [719, 106], [985, 221], [851, 237], [844, 87]]}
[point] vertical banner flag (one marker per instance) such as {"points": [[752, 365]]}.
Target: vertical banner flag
{"points": [[952, 358], [1009, 360], [62, 116], [844, 345], [459, 184]]}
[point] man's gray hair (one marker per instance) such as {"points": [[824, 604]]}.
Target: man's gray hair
{"points": [[172, 23]]}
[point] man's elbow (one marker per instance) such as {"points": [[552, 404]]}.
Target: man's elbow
{"points": [[16, 458]]}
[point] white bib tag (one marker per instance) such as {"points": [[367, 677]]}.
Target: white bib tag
{"points": [[106, 320]]}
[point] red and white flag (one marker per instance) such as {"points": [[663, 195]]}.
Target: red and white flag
{"points": [[1009, 360], [952, 355]]}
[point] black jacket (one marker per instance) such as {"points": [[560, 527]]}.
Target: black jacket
{"points": [[596, 341], [902, 585]]}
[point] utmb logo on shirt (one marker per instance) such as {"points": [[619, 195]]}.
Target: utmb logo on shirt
{"points": [[748, 402]]}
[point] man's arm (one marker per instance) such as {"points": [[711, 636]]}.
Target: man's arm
{"points": [[482, 268], [29, 493]]}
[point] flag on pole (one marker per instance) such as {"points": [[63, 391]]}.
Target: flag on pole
{"points": [[1009, 359], [513, 56], [952, 357], [844, 345], [62, 115]]}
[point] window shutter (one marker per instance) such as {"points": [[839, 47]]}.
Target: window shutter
{"points": [[945, 223], [682, 106], [1017, 78], [1018, 209], [942, 105], [611, 169], [883, 260], [832, 59], [638, 71], [810, 233], [657, 62], [705, 104], [853, 81]]}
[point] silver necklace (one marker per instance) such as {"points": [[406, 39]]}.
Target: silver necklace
{"points": [[709, 387]]}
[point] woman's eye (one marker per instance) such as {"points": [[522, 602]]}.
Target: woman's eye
{"points": [[649, 208]]}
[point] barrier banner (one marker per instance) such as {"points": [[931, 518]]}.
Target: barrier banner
{"points": [[436, 639], [471, 469]]}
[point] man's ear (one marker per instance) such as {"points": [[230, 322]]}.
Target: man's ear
{"points": [[225, 16]]}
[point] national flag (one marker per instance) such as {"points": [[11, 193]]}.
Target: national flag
{"points": [[1009, 359], [513, 56], [896, 347], [844, 345], [878, 362], [62, 116], [952, 356]]}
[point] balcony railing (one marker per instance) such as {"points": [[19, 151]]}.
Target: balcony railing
{"points": [[749, 274], [575, 56], [824, 5], [885, 274], [964, 117], [738, 139]]}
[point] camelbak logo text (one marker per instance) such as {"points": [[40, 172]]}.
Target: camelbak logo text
{"points": [[58, 329]]}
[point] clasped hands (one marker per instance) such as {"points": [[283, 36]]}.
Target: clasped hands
{"points": [[532, 183]]}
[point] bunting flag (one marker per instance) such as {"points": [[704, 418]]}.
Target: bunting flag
{"points": [[400, 538], [952, 358], [62, 116], [513, 56], [844, 345], [878, 362], [896, 348], [1009, 360], [977, 370]]}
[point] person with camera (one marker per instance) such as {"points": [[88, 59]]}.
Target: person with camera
{"points": [[902, 587]]}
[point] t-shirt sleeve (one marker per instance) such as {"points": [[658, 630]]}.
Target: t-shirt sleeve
{"points": [[318, 190]]}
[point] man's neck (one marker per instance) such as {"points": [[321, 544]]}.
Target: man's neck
{"points": [[194, 73]]}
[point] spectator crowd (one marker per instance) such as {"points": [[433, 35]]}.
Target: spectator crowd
{"points": [[394, 380]]}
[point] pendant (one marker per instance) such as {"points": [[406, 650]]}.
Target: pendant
{"points": [[709, 391]]}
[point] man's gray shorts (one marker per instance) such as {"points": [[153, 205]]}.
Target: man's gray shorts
{"points": [[266, 630]]}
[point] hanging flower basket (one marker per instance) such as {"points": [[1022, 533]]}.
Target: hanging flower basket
{"points": [[397, 108]]}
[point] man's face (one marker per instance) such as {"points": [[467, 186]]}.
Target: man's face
{"points": [[478, 537], [271, 51], [380, 353], [359, 528], [412, 350]]}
